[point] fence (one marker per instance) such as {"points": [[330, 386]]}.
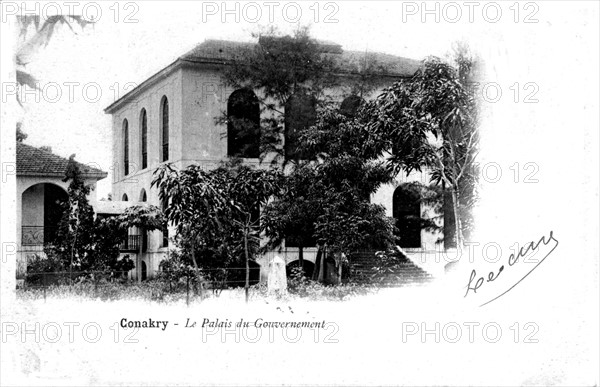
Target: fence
{"points": [[116, 285], [364, 270]]}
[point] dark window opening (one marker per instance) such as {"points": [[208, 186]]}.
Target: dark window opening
{"points": [[407, 213], [165, 129], [243, 124], [143, 196], [300, 114], [125, 147], [144, 126], [124, 198]]}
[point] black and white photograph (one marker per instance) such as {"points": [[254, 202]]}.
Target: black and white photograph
{"points": [[309, 193]]}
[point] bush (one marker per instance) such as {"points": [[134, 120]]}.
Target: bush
{"points": [[45, 270]]}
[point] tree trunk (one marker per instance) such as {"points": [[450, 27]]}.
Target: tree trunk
{"points": [[197, 271], [315, 275], [247, 285], [322, 266], [457, 223]]}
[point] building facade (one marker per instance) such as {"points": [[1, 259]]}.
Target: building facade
{"points": [[171, 117], [40, 187]]}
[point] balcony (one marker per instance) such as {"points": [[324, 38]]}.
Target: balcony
{"points": [[37, 235], [132, 243]]}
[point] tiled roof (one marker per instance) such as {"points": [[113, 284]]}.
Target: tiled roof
{"points": [[214, 51], [32, 161], [224, 50]]}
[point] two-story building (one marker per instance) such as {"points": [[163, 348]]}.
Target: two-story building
{"points": [[171, 117]]}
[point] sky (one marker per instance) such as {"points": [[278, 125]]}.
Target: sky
{"points": [[150, 35], [534, 73]]}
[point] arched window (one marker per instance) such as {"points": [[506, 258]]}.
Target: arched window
{"points": [[143, 196], [407, 213], [164, 128], [300, 113], [350, 105], [124, 198], [144, 133], [243, 124], [125, 147]]}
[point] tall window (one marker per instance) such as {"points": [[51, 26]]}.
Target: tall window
{"points": [[164, 128], [125, 147], [144, 130], [300, 113], [143, 196], [243, 124], [407, 213], [124, 198]]}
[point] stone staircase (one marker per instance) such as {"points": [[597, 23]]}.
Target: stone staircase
{"points": [[404, 273]]}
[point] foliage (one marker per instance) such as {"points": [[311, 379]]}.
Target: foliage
{"points": [[21, 135], [215, 212], [30, 44], [431, 121], [331, 168], [85, 243]]}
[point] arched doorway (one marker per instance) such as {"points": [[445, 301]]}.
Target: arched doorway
{"points": [[308, 267], [144, 271], [406, 208], [41, 212], [243, 124]]}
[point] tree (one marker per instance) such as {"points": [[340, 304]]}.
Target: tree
{"points": [[283, 70], [431, 121], [21, 136], [329, 174], [86, 243], [30, 44], [216, 212]]}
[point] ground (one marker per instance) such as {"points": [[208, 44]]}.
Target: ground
{"points": [[366, 341]]}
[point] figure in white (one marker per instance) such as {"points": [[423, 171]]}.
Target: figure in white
{"points": [[277, 280]]}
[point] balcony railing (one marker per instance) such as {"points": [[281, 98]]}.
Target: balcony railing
{"points": [[131, 243], [37, 235]]}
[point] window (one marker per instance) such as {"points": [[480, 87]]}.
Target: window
{"points": [[124, 198], [144, 131], [407, 213], [350, 105], [164, 128], [300, 113], [243, 124], [125, 147], [143, 196]]}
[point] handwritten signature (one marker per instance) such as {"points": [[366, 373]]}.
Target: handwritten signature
{"points": [[512, 259]]}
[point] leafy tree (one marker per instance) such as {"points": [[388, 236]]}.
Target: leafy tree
{"points": [[34, 35], [330, 170], [216, 212], [21, 136], [431, 120], [85, 243]]}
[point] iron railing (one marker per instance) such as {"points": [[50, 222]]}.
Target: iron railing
{"points": [[131, 243], [37, 235]]}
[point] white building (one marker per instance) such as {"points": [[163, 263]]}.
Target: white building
{"points": [[170, 117]]}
